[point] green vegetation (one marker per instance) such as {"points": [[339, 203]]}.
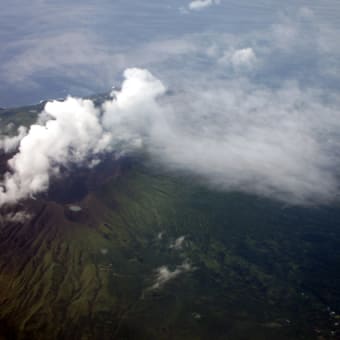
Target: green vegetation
{"points": [[19, 116]]}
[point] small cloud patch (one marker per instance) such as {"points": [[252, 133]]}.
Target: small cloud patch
{"points": [[104, 251], [178, 244], [75, 208], [164, 274], [18, 217], [198, 5], [244, 58]]}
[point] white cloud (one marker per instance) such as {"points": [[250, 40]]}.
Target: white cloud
{"points": [[74, 131], [9, 144], [268, 142], [178, 244], [104, 251], [45, 55], [306, 13], [197, 5], [271, 132], [244, 58], [71, 135], [132, 113], [17, 217], [164, 274], [233, 134]]}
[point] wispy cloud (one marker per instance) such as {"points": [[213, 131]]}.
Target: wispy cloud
{"points": [[69, 52], [17, 217]]}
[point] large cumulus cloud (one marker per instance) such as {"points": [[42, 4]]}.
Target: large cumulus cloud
{"points": [[279, 143], [255, 111], [74, 131]]}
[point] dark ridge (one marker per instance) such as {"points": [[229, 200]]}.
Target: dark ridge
{"points": [[76, 182], [7, 332], [4, 163]]}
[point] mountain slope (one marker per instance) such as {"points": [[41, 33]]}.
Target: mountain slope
{"points": [[139, 253]]}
